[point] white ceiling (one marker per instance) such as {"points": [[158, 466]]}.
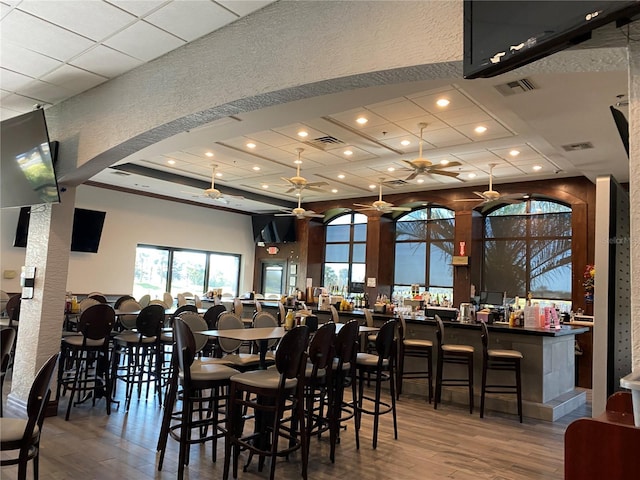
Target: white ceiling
{"points": [[74, 46]]}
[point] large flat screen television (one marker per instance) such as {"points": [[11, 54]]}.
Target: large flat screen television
{"points": [[27, 175], [500, 36], [272, 229], [85, 236]]}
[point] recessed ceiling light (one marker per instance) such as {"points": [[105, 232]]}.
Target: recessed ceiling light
{"points": [[514, 153], [480, 129], [171, 162], [218, 174], [303, 134], [341, 176], [391, 169], [209, 154], [348, 153], [251, 145], [334, 190], [444, 161], [265, 186], [472, 175], [361, 120], [537, 167], [256, 168], [420, 180], [443, 102], [372, 186], [404, 143]]}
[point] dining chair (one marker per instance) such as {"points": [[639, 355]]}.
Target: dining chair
{"points": [[335, 316], [167, 298], [370, 344], [87, 302], [98, 296], [12, 309], [180, 298], [230, 347], [144, 300], [4, 298], [421, 350], [7, 340], [22, 435], [282, 313], [119, 300], [238, 307], [270, 394]]}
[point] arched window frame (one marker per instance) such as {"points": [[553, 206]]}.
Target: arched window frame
{"points": [[345, 249]]}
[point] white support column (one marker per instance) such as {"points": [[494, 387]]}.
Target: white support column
{"points": [[41, 317]]}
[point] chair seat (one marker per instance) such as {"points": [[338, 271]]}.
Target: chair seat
{"points": [[76, 341], [451, 348], [321, 373], [504, 354], [12, 429], [418, 343], [369, 360], [263, 379], [372, 338], [239, 359], [346, 366], [132, 337], [203, 371]]}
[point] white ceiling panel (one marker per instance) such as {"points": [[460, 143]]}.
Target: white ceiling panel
{"points": [[398, 110], [139, 8], [191, 20], [13, 81], [456, 101], [73, 79], [157, 42], [43, 37], [243, 7], [106, 61], [93, 19], [27, 62], [45, 92]]}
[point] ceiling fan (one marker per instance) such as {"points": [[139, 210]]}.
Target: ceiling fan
{"points": [[422, 166], [492, 195], [300, 212], [300, 183], [380, 205], [214, 194]]}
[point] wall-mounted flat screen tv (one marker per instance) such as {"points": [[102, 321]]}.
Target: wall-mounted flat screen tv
{"points": [[272, 229], [500, 36], [85, 236], [27, 176]]}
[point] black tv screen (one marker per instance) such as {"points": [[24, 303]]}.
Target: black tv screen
{"points": [[500, 36], [491, 298], [285, 228], [87, 230], [27, 176], [272, 229], [86, 234]]}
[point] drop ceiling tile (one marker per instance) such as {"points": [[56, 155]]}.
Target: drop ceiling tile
{"points": [[4, 10], [106, 61], [27, 62], [139, 8], [290, 132], [388, 131], [411, 124], [398, 110], [73, 79], [461, 116], [157, 42], [349, 118], [191, 20], [6, 113], [481, 157], [494, 130], [274, 138], [43, 91], [43, 37], [457, 101], [244, 7], [92, 19], [12, 81], [446, 137]]}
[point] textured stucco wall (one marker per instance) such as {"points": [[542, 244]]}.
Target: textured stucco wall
{"points": [[634, 193]]}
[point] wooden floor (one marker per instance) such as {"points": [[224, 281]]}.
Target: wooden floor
{"points": [[446, 443]]}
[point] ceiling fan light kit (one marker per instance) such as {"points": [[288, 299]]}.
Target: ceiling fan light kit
{"points": [[380, 205]]}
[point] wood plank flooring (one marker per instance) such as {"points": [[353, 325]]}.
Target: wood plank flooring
{"points": [[432, 444]]}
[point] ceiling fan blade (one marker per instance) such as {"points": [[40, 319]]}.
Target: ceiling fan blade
{"points": [[437, 171], [412, 176], [399, 209], [466, 200], [408, 162], [450, 164], [282, 214], [362, 205], [292, 189], [316, 184], [312, 214]]}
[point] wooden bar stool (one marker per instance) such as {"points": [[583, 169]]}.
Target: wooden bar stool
{"points": [[452, 354], [499, 360], [415, 348]]}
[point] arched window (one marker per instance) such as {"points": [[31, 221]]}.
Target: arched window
{"points": [[345, 253], [423, 251], [527, 249]]}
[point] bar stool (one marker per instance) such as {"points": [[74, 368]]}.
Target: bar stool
{"points": [[499, 360], [452, 354], [416, 348]]}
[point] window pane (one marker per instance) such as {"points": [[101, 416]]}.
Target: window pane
{"points": [[410, 263], [273, 280], [359, 251], [360, 232], [358, 272], [438, 212], [504, 267], [359, 218], [224, 273], [551, 268], [337, 252], [440, 268], [421, 214], [512, 209], [511, 227], [338, 233], [336, 274], [187, 272], [150, 274], [341, 220], [415, 231], [540, 206], [441, 229], [551, 225]]}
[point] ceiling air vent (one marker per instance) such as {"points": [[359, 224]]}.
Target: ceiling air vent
{"points": [[121, 173], [321, 143], [394, 183], [572, 147], [517, 86]]}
